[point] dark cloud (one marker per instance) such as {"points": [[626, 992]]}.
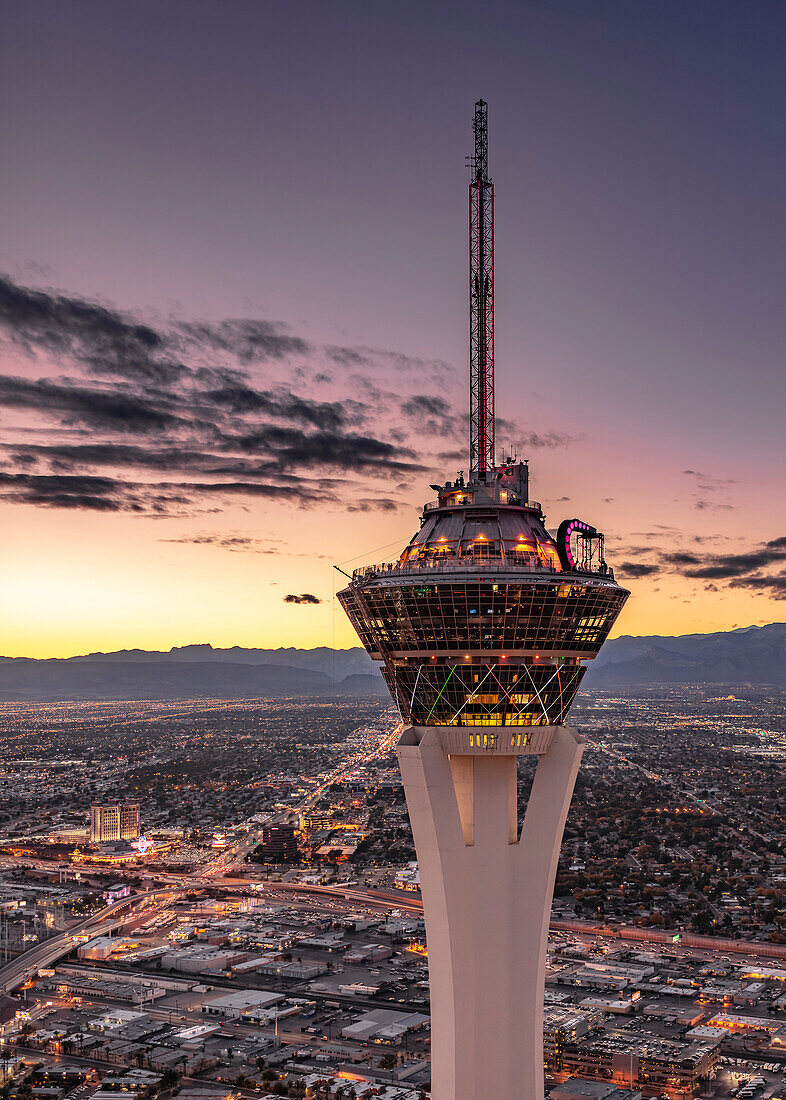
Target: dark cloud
{"points": [[303, 494], [97, 494], [177, 401], [347, 357], [239, 397], [24, 459], [304, 597], [745, 570], [710, 481], [108, 409], [431, 416], [244, 544], [103, 340], [774, 586], [247, 340], [203, 421], [681, 557], [724, 567], [235, 543], [119, 454], [422, 404], [197, 463], [378, 504], [105, 494], [398, 361], [537, 440], [705, 486], [292, 447], [636, 569]]}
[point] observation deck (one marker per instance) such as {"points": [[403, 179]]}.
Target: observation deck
{"points": [[472, 564], [486, 618]]}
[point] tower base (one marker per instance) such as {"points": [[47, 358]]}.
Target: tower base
{"points": [[487, 894]]}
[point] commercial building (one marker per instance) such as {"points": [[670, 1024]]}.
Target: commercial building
{"points": [[652, 1065], [278, 844], [576, 1089], [241, 1003], [114, 821], [384, 1026], [115, 892], [563, 1026]]}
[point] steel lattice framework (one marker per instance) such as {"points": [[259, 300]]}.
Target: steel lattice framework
{"points": [[481, 302]]}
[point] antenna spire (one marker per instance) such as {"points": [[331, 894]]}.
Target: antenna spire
{"points": [[481, 301]]}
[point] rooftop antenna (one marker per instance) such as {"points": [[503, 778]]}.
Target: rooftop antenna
{"points": [[481, 301]]}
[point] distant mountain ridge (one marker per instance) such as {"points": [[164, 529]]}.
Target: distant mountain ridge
{"points": [[754, 655]]}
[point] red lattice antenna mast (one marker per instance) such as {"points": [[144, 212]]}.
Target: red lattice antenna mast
{"points": [[481, 301]]}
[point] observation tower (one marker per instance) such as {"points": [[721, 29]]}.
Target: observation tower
{"points": [[483, 627]]}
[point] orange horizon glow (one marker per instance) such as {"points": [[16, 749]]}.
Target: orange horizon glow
{"points": [[74, 584]]}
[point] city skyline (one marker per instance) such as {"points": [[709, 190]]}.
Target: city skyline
{"points": [[230, 301]]}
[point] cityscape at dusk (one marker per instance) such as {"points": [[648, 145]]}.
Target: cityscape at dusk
{"points": [[233, 303], [392, 694]]}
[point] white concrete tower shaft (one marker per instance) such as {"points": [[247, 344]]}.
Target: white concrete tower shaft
{"points": [[487, 893]]}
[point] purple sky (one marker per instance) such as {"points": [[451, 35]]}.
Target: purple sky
{"points": [[303, 165]]}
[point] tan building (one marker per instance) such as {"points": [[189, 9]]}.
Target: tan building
{"points": [[114, 821]]}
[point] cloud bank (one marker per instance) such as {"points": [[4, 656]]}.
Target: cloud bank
{"points": [[176, 419], [108, 412], [761, 569]]}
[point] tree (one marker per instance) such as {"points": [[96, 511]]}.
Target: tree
{"points": [[170, 1079]]}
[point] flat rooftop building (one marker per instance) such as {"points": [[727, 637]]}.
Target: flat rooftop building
{"points": [[575, 1088], [384, 1025]]}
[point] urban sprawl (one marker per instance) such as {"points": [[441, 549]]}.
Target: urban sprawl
{"points": [[220, 898]]}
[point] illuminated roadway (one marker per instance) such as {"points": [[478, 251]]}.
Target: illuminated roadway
{"points": [[44, 954], [216, 873], [17, 972], [230, 857], [389, 899]]}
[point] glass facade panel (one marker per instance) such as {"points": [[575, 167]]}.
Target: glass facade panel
{"points": [[503, 648]]}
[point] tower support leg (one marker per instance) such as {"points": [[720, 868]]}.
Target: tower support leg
{"points": [[487, 899]]}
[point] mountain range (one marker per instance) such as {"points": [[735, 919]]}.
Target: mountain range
{"points": [[753, 655]]}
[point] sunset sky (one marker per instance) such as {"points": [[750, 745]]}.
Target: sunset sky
{"points": [[233, 331]]}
